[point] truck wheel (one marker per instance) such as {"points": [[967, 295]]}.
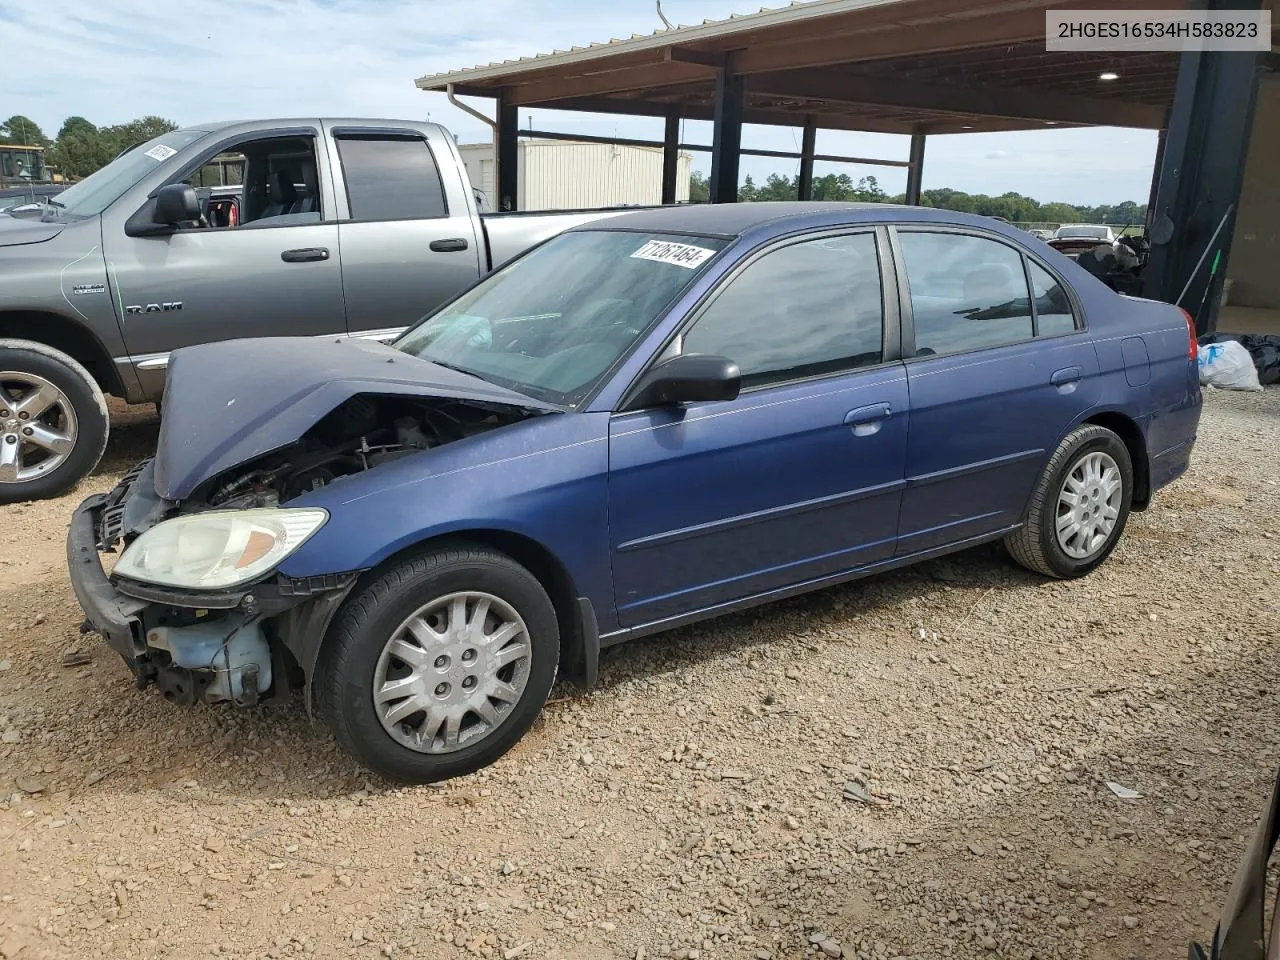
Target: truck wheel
{"points": [[53, 421], [1079, 507], [439, 665]]}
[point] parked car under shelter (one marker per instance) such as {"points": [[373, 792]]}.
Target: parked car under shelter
{"points": [[643, 422]]}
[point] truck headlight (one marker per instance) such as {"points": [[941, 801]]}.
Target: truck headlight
{"points": [[221, 548]]}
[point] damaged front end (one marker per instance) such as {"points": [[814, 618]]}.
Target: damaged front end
{"points": [[195, 603], [235, 645]]}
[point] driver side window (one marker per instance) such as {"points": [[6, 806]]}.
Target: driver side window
{"points": [[807, 309], [269, 182]]}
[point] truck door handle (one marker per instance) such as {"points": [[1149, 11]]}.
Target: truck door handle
{"points": [[1065, 376], [866, 420], [305, 254], [453, 245]]}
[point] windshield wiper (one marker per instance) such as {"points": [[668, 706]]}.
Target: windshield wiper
{"points": [[55, 203], [457, 369]]}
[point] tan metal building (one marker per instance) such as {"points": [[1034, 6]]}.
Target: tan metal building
{"points": [[564, 175]]}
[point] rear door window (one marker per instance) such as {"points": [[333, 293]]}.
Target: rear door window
{"points": [[807, 309], [967, 292], [1053, 307], [391, 178]]}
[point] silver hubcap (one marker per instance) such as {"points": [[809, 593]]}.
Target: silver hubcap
{"points": [[1089, 505], [452, 672], [37, 427]]}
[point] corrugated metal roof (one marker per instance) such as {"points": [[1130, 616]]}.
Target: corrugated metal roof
{"points": [[796, 12], [892, 66]]}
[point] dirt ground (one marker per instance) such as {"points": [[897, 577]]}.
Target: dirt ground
{"points": [[909, 766]]}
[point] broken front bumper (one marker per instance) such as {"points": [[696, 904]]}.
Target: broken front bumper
{"points": [[107, 610], [223, 645]]}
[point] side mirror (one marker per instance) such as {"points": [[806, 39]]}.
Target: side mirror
{"points": [[176, 203], [688, 379], [168, 208]]}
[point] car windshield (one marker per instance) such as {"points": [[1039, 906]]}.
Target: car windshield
{"points": [[99, 190], [1087, 233], [554, 322]]}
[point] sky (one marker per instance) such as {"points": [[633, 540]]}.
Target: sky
{"points": [[117, 60]]}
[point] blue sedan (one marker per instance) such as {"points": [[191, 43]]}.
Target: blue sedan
{"points": [[647, 421]]}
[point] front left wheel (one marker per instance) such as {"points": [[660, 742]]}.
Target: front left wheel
{"points": [[53, 422], [440, 664]]}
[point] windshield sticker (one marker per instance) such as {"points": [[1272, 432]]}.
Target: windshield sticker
{"points": [[161, 152], [677, 254]]}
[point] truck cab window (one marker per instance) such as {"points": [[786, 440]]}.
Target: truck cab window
{"points": [[391, 178], [280, 184]]}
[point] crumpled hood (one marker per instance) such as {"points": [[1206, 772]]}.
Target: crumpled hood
{"points": [[227, 403], [16, 231]]}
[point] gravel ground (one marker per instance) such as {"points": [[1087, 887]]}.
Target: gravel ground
{"points": [[910, 766]]}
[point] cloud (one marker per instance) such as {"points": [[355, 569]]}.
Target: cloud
{"points": [[193, 62]]}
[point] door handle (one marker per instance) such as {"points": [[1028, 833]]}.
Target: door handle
{"points": [[866, 420], [305, 255], [1066, 375], [453, 245]]}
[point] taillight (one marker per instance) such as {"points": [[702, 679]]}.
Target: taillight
{"points": [[1193, 349]]}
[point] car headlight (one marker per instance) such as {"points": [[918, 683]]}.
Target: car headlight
{"points": [[221, 548]]}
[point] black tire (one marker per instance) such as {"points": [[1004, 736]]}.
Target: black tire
{"points": [[367, 622], [1035, 545], [87, 402]]}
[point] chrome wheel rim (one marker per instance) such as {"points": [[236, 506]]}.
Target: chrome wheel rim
{"points": [[37, 427], [452, 672], [1089, 505]]}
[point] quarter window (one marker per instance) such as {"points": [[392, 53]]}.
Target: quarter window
{"points": [[967, 292], [1053, 308], [807, 309], [391, 178]]}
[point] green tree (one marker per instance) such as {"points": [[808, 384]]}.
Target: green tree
{"points": [[80, 148], [833, 187], [22, 130], [126, 135], [778, 187], [945, 198], [699, 188], [868, 190], [1059, 213]]}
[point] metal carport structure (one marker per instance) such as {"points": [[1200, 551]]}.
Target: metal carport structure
{"points": [[914, 67]]}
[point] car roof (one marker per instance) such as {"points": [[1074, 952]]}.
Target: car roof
{"points": [[733, 220], [723, 219]]}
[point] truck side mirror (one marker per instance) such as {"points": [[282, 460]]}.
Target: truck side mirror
{"points": [[164, 212], [176, 203]]}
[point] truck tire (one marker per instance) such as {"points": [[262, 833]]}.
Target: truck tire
{"points": [[53, 421], [439, 663]]}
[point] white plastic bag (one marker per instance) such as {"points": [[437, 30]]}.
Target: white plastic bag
{"points": [[1227, 366]]}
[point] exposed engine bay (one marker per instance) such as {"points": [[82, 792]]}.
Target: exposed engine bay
{"points": [[243, 644], [363, 433]]}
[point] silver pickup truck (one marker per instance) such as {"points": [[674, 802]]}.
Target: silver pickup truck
{"points": [[265, 228]]}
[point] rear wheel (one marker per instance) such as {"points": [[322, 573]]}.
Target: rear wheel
{"points": [[1079, 507], [53, 421], [440, 664]]}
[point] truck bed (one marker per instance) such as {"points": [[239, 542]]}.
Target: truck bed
{"points": [[510, 234]]}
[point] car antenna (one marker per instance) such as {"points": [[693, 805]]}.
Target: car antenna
{"points": [[661, 16]]}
